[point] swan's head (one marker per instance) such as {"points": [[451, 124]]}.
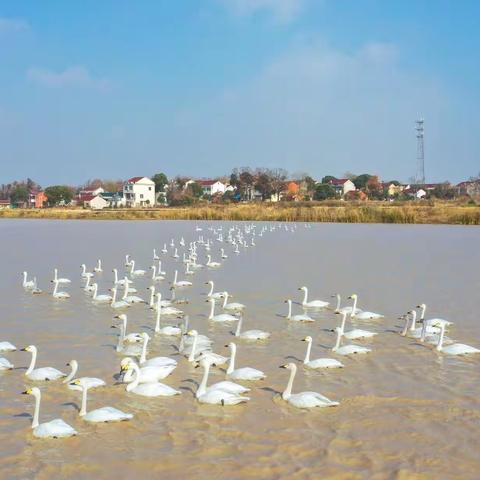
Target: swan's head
{"points": [[303, 288], [126, 363], [232, 346], [289, 366], [339, 331], [335, 295], [30, 348], [122, 316], [209, 283], [72, 364], [35, 391], [422, 305], [307, 339], [192, 333], [145, 336], [353, 296]]}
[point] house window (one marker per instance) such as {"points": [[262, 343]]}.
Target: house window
{"points": [[149, 188], [141, 195]]}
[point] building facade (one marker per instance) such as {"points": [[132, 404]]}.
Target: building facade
{"points": [[139, 192]]}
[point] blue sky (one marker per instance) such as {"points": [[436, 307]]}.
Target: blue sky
{"points": [[118, 88]]}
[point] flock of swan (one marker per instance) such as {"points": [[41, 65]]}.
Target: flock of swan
{"points": [[143, 375]]}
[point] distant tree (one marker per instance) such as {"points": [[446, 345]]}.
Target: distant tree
{"points": [[323, 191], [57, 194], [19, 194], [112, 185], [234, 178], [361, 181], [374, 188], [195, 190], [349, 175], [247, 180], [264, 185], [328, 178], [279, 176], [161, 181], [310, 184], [444, 191], [394, 182]]}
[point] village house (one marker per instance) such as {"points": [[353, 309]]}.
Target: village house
{"points": [[391, 189], [114, 199], [95, 202], [212, 187], [470, 188], [85, 194], [139, 192], [4, 204], [342, 186]]}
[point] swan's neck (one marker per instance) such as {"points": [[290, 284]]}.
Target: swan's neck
{"points": [[55, 288], [125, 289], [288, 390], [422, 315], [55, 274], [202, 388], [154, 272], [212, 309], [239, 326], [231, 363], [440, 340], [36, 413], [191, 357], [211, 289], [136, 379], [132, 266], [120, 339], [115, 274], [414, 320], [152, 296], [405, 328], [24, 278], [307, 354], [84, 269], [83, 408], [225, 299], [157, 324], [99, 266], [95, 291], [339, 300], [289, 315], [72, 374], [305, 296], [344, 319], [354, 307], [32, 362], [337, 343], [143, 357], [175, 278], [88, 283]]}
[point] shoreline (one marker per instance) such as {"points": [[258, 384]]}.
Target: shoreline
{"points": [[438, 213]]}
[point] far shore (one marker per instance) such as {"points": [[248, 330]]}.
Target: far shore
{"points": [[333, 212]]}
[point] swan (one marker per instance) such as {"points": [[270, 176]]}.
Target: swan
{"points": [[100, 298], [223, 254], [84, 273], [433, 322], [132, 349], [349, 309], [362, 315], [55, 428], [155, 256], [89, 382], [167, 310], [131, 337], [164, 249], [233, 306], [182, 242], [128, 262], [180, 283], [154, 305], [159, 269], [155, 277], [455, 348], [186, 341], [426, 333], [5, 364], [98, 268], [88, 287], [27, 284], [188, 271], [312, 303], [99, 415], [303, 399], [250, 334], [175, 253], [156, 361], [167, 329], [221, 393], [356, 332], [223, 317], [195, 347], [199, 352], [211, 293], [149, 373], [211, 264], [60, 280], [121, 282], [244, 373], [318, 362], [7, 347], [347, 349], [302, 317], [150, 389], [57, 294], [117, 303], [131, 298], [135, 273], [44, 373]]}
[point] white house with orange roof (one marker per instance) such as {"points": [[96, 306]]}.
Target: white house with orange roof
{"points": [[139, 192]]}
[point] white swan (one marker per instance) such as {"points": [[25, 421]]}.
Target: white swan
{"points": [[167, 329], [455, 348], [200, 352], [212, 264], [5, 364], [130, 349], [356, 333], [175, 254], [232, 306], [180, 283], [211, 293], [150, 389], [60, 280], [155, 361], [27, 284], [303, 399], [195, 347], [223, 254], [155, 277], [433, 322], [221, 393], [136, 273], [131, 337], [187, 341], [188, 270], [362, 315], [121, 282], [131, 298], [128, 262], [39, 374], [222, 317], [348, 309], [7, 347], [104, 298], [159, 269], [100, 415], [84, 273], [154, 305], [89, 382], [347, 349], [155, 256], [57, 294], [89, 288], [55, 428], [250, 334], [244, 373], [301, 317], [167, 310], [149, 373], [164, 249], [117, 304], [98, 268], [318, 362], [312, 303]]}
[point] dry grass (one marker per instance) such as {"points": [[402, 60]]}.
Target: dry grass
{"points": [[335, 212]]}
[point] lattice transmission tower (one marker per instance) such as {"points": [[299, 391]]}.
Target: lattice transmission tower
{"points": [[420, 177]]}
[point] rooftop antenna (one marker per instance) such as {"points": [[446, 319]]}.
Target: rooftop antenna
{"points": [[420, 177]]}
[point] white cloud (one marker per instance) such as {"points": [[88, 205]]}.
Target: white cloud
{"points": [[283, 11], [76, 76], [8, 25]]}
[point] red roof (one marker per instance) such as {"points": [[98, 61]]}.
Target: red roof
{"points": [[87, 198], [338, 181], [134, 179], [206, 183]]}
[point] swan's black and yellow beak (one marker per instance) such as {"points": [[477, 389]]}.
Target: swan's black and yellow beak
{"points": [[283, 366], [28, 391], [337, 313]]}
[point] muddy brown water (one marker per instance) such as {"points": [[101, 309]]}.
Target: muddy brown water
{"points": [[406, 411]]}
